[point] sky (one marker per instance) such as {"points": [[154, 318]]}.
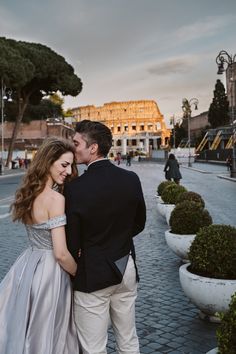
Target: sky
{"points": [[162, 50]]}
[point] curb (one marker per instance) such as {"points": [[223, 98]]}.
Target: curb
{"points": [[228, 178], [207, 172], [12, 174]]}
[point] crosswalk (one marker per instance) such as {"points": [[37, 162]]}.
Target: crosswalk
{"points": [[5, 206]]}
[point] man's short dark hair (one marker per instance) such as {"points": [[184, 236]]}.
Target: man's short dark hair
{"points": [[95, 132]]}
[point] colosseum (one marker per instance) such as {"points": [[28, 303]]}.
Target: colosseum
{"points": [[137, 126]]}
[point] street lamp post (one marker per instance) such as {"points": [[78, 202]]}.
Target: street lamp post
{"points": [[186, 107], [5, 95], [222, 58], [174, 121]]}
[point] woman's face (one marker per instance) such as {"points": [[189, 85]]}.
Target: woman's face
{"points": [[61, 168]]}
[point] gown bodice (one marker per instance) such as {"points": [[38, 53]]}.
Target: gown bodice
{"points": [[40, 234]]}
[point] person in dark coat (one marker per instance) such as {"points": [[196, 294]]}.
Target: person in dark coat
{"points": [[171, 169]]}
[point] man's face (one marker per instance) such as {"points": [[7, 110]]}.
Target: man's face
{"points": [[82, 151]]}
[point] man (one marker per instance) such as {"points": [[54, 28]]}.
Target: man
{"points": [[128, 160], [105, 209]]}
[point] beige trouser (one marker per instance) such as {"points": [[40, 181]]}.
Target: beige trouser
{"points": [[94, 311]]}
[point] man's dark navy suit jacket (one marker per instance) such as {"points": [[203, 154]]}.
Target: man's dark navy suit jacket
{"points": [[105, 209]]}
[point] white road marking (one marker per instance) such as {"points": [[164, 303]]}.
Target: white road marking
{"points": [[3, 216]]}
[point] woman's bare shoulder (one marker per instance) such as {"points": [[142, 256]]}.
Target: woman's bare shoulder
{"points": [[56, 206], [56, 196], [48, 204]]}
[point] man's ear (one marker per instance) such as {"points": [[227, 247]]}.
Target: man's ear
{"points": [[94, 148]]}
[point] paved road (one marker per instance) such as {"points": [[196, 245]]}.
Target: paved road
{"points": [[166, 321]]}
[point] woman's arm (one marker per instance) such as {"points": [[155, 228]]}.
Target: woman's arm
{"points": [[60, 250]]}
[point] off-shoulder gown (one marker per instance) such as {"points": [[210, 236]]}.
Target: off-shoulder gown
{"points": [[36, 315]]}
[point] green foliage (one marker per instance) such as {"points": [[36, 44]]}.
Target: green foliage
{"points": [[188, 217], [56, 99], [15, 69], [171, 193], [180, 133], [192, 196], [226, 333], [68, 113], [32, 70], [45, 109], [213, 252], [218, 114], [163, 185]]}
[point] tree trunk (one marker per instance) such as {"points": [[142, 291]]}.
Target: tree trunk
{"points": [[22, 107]]}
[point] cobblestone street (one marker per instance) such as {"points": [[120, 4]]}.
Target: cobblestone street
{"points": [[166, 321]]}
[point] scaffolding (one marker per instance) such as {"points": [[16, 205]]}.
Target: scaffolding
{"points": [[216, 141], [229, 144], [202, 143]]}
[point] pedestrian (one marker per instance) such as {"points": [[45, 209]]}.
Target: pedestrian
{"points": [[35, 296], [171, 169], [118, 158], [229, 163], [105, 209], [26, 163], [21, 162], [128, 160]]}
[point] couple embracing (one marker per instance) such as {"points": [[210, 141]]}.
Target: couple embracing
{"points": [[104, 210]]}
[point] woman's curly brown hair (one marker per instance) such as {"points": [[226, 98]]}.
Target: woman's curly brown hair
{"points": [[36, 177]]}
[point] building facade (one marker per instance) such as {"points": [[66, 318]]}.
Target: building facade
{"points": [[31, 135], [137, 126]]}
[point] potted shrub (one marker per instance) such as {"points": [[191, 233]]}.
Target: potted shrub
{"points": [[160, 189], [209, 280], [162, 186], [191, 196], [172, 192], [169, 197], [185, 221], [226, 333]]}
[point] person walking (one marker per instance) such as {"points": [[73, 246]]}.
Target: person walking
{"points": [[171, 169], [36, 294], [128, 160], [229, 163], [105, 209]]}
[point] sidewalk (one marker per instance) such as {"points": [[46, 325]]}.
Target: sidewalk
{"points": [[219, 170], [166, 321], [15, 172]]}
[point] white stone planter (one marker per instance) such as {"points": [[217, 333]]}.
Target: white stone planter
{"points": [[169, 209], [158, 199], [208, 294], [161, 209], [164, 209], [213, 351], [179, 244]]}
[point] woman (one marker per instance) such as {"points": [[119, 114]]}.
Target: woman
{"points": [[35, 295], [171, 169]]}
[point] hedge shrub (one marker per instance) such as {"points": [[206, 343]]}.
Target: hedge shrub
{"points": [[171, 193], [162, 186], [226, 333], [188, 217], [192, 196], [213, 252]]}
